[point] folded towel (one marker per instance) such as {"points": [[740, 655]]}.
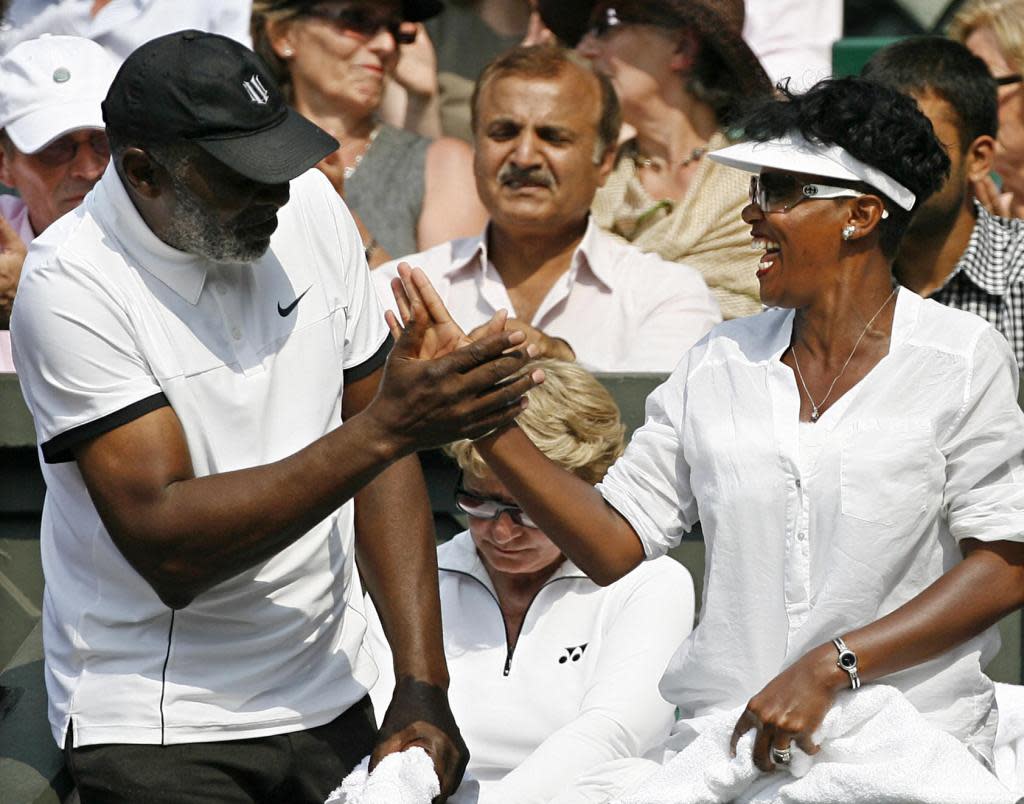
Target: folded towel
{"points": [[405, 777], [875, 747]]}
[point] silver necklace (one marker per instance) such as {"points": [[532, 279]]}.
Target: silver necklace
{"points": [[816, 406], [351, 169]]}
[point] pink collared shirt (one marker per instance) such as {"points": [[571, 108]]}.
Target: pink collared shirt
{"points": [[618, 308]]}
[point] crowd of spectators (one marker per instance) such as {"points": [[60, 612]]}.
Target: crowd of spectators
{"points": [[460, 208]]}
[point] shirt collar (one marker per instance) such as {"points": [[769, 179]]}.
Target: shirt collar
{"points": [[460, 555], [471, 253], [981, 263], [183, 273]]}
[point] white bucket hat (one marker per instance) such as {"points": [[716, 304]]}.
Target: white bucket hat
{"points": [[51, 86], [792, 152]]}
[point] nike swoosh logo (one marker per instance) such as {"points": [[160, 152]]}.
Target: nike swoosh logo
{"points": [[284, 312]]}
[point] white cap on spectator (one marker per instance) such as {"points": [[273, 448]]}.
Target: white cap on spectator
{"points": [[51, 86]]}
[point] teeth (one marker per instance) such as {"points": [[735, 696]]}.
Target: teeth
{"points": [[764, 264], [763, 244]]}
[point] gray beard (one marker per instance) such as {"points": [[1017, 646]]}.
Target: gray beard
{"points": [[195, 231]]}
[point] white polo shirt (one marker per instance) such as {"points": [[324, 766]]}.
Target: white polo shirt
{"points": [[619, 308], [112, 323]]}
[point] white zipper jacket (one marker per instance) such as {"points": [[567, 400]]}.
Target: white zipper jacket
{"points": [[581, 686]]}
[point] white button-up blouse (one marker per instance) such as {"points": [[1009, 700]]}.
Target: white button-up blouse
{"points": [[805, 545]]}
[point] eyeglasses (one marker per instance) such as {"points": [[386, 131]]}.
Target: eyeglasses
{"points": [[364, 22], [489, 508], [1013, 78], [780, 192], [64, 150]]}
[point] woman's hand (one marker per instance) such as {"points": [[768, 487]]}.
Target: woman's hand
{"points": [[418, 301], [791, 707], [992, 198], [416, 72]]}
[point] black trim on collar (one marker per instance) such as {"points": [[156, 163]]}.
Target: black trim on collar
{"points": [[60, 448], [370, 365]]}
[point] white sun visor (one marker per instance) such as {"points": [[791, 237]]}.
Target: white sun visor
{"points": [[794, 153]]}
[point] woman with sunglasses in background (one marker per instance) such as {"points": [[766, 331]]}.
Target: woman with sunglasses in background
{"points": [[682, 72], [550, 673], [334, 58], [994, 31], [855, 456]]}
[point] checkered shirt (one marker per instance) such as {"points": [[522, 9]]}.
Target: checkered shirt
{"points": [[989, 278]]}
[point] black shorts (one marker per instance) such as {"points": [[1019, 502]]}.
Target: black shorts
{"points": [[293, 768]]}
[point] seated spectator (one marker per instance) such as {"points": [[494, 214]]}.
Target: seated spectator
{"points": [[121, 25], [954, 250], [551, 674], [994, 31], [545, 131], [52, 145], [333, 60], [682, 70]]}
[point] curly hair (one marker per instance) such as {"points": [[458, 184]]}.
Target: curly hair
{"points": [[571, 418], [877, 124]]}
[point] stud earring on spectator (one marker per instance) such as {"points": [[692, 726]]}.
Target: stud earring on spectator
{"points": [[848, 231], [287, 52]]}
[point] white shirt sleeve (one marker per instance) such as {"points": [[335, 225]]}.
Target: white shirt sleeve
{"points": [[650, 484], [365, 328], [77, 355], [984, 449], [622, 713]]}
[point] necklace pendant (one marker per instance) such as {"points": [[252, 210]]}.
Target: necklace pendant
{"points": [[814, 414]]}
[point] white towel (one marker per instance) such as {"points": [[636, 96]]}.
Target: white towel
{"points": [[1009, 748], [405, 777], [875, 747]]}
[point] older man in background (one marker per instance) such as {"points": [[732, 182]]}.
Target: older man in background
{"points": [[52, 145], [545, 130]]}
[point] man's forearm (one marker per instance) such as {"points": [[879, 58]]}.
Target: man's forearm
{"points": [[195, 532], [398, 563]]}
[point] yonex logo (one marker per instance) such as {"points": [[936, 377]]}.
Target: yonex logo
{"points": [[256, 91], [573, 654]]}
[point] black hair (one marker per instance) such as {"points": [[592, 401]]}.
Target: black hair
{"points": [[874, 123], [922, 65]]}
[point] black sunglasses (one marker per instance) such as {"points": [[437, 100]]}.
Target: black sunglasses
{"points": [[487, 507], [363, 22]]}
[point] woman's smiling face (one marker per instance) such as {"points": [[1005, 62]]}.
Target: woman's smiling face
{"points": [[801, 241]]}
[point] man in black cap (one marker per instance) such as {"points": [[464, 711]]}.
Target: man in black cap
{"points": [[208, 370]]}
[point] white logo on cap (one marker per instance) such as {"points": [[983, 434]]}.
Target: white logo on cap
{"points": [[257, 92]]}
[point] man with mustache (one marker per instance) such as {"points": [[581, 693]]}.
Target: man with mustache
{"points": [[52, 145], [203, 354], [545, 129]]}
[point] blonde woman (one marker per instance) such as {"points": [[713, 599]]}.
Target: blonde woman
{"points": [[551, 674], [994, 31]]}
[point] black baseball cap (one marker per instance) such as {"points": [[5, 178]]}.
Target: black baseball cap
{"points": [[210, 90]]}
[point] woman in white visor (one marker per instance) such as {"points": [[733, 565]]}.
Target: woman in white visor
{"points": [[854, 457]]}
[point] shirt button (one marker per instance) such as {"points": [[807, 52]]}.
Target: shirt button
{"points": [[221, 289], [798, 482], [236, 333], [801, 536]]}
